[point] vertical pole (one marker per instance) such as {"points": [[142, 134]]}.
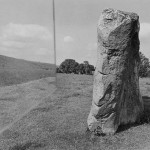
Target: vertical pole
{"points": [[54, 34]]}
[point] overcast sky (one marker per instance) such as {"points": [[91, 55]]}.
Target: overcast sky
{"points": [[26, 28]]}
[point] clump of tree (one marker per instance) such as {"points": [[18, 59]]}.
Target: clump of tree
{"points": [[68, 66], [71, 66], [144, 66]]}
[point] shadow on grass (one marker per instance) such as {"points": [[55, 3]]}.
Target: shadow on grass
{"points": [[26, 146], [145, 118], [146, 114]]}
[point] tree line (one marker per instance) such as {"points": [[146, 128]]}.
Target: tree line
{"points": [[71, 66]]}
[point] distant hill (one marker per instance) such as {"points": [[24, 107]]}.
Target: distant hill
{"points": [[16, 71]]}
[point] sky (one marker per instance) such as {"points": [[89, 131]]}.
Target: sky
{"points": [[26, 28]]}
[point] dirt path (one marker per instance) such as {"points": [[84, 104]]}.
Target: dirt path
{"points": [[16, 101]]}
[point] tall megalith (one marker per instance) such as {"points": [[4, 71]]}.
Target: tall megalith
{"points": [[116, 95]]}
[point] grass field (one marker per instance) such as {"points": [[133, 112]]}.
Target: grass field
{"points": [[58, 122], [16, 71]]}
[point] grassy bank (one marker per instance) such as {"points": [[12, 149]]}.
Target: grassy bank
{"points": [[16, 71]]}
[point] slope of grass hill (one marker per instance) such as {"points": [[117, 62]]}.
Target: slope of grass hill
{"points": [[16, 71]]}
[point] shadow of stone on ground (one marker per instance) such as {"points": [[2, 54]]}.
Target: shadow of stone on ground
{"points": [[122, 128], [145, 118], [146, 114]]}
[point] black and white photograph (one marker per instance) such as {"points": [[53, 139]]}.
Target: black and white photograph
{"points": [[74, 75]]}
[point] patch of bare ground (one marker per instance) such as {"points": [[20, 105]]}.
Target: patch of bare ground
{"points": [[59, 122]]}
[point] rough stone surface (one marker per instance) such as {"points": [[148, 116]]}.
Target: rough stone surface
{"points": [[116, 95]]}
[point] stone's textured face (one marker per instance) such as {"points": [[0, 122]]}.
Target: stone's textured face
{"points": [[116, 95]]}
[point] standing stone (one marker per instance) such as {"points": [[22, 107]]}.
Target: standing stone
{"points": [[116, 95]]}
